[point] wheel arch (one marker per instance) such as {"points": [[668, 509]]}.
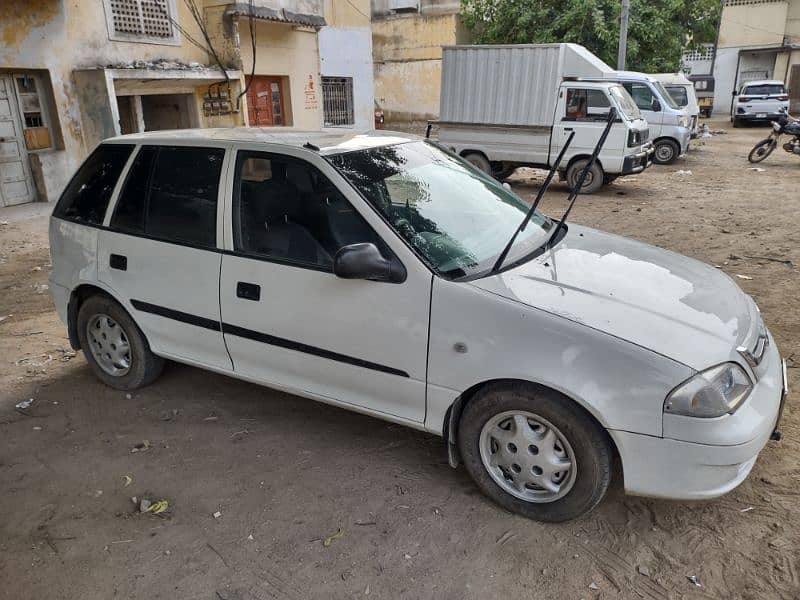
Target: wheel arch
{"points": [[578, 157], [77, 297], [456, 409]]}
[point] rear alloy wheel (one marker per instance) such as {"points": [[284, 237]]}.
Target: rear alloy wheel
{"points": [[114, 346], [479, 161], [593, 180], [761, 150], [534, 452], [666, 151]]}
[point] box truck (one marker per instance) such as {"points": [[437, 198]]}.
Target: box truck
{"points": [[507, 106]]}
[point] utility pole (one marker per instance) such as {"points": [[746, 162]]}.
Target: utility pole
{"points": [[623, 35]]}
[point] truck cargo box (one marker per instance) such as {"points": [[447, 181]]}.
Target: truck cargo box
{"points": [[510, 84]]}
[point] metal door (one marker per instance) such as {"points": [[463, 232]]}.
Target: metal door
{"points": [[265, 102], [16, 183], [794, 89]]}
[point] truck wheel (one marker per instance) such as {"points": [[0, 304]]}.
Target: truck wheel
{"points": [[114, 346], [594, 178], [609, 179], [479, 161], [534, 452], [666, 152], [504, 172]]}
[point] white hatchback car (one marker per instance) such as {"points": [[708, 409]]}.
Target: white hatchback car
{"points": [[759, 101], [360, 270]]}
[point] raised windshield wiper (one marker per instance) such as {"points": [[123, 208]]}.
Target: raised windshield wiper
{"points": [[612, 116], [499, 262]]}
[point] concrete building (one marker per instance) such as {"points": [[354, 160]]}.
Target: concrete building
{"points": [[73, 73], [407, 40], [758, 39]]}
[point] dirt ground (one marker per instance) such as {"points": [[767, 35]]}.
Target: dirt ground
{"points": [[286, 473]]}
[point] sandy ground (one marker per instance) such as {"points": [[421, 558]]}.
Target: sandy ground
{"points": [[285, 473]]}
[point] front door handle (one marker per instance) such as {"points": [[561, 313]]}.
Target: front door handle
{"points": [[248, 291], [118, 262]]}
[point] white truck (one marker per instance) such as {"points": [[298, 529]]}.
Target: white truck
{"points": [[508, 106]]}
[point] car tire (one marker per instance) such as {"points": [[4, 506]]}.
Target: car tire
{"points": [[594, 178], [666, 152], [478, 160], [105, 331], [504, 172], [534, 415]]}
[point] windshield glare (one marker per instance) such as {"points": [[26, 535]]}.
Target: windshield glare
{"points": [[455, 217], [625, 103]]}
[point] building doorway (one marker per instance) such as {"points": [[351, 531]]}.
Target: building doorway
{"points": [[265, 101], [156, 112], [16, 182]]}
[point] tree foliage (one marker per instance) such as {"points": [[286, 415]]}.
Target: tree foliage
{"points": [[658, 30]]}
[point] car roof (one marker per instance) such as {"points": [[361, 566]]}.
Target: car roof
{"points": [[762, 82], [671, 78], [327, 142]]}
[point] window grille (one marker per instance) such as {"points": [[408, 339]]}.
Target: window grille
{"points": [[705, 52], [746, 2], [337, 101], [141, 20]]}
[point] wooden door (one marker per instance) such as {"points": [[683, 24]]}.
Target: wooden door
{"points": [[265, 102], [16, 183], [794, 89]]}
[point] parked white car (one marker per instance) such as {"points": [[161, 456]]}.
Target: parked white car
{"points": [[759, 101], [360, 270]]}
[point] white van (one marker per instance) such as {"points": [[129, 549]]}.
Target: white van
{"points": [[682, 91], [503, 107], [378, 273], [669, 123]]}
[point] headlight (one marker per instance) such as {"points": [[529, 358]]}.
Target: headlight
{"points": [[711, 393], [683, 121], [776, 126]]}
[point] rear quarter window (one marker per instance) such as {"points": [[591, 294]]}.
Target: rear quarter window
{"points": [[86, 196]]}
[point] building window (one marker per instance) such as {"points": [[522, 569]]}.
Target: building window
{"points": [[149, 21], [337, 101], [35, 127]]}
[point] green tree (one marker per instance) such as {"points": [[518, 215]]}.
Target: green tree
{"points": [[658, 30]]}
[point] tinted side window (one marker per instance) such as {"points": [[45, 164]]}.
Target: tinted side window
{"points": [[286, 209], [86, 197], [129, 212], [641, 94], [171, 194]]}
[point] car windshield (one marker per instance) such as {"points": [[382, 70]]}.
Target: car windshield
{"points": [[455, 217], [765, 89], [665, 95], [625, 103], [678, 93]]}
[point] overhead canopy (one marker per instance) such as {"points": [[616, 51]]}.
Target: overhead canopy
{"points": [[280, 15]]}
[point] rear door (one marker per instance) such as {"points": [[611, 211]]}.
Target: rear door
{"points": [[159, 253], [289, 321], [763, 100]]}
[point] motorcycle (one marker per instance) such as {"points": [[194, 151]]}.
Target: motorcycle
{"points": [[785, 125]]}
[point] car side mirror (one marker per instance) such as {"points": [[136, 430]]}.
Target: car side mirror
{"points": [[656, 105], [365, 261]]}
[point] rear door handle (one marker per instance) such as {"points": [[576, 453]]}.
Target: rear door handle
{"points": [[119, 262], [248, 291]]}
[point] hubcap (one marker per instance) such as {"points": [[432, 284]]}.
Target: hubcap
{"points": [[664, 152], [527, 456], [109, 345]]}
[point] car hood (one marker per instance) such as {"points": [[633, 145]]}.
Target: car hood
{"points": [[668, 303]]}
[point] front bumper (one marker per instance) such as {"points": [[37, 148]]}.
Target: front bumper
{"points": [[681, 470], [636, 163]]}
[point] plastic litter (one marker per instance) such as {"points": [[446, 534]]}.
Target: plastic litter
{"points": [[746, 277], [683, 173], [334, 536], [694, 580], [25, 404], [217, 515]]}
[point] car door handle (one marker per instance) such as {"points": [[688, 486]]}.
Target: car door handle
{"points": [[248, 291], [119, 262], [568, 128]]}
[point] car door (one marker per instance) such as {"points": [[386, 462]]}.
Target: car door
{"points": [[289, 321], [648, 104], [158, 252], [584, 112]]}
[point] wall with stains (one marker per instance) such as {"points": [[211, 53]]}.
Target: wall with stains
{"points": [[407, 54], [61, 36]]}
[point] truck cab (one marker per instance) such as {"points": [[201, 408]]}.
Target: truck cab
{"points": [[682, 91], [669, 123]]}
